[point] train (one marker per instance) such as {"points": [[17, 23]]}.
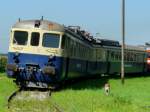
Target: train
{"points": [[43, 53]]}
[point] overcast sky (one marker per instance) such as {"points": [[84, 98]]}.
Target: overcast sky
{"points": [[95, 16]]}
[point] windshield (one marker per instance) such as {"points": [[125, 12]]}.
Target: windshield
{"points": [[51, 40], [20, 38], [35, 36]]}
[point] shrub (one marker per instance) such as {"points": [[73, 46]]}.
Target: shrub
{"points": [[3, 62]]}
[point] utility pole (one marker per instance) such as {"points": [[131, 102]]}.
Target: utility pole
{"points": [[123, 41]]}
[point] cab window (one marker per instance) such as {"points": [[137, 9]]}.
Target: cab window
{"points": [[51, 40], [35, 39], [63, 41], [20, 38]]}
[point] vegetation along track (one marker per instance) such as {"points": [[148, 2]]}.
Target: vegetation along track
{"points": [[33, 93]]}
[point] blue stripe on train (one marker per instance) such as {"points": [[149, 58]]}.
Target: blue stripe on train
{"points": [[40, 60]]}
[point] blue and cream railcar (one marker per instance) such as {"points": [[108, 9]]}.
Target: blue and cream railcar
{"points": [[35, 54], [43, 52]]}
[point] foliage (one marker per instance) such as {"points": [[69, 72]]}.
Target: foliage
{"points": [[3, 62], [6, 88]]}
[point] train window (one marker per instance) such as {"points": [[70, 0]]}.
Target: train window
{"points": [[63, 41], [134, 57], [127, 56], [112, 55], [148, 55], [116, 56], [20, 38], [35, 39], [51, 40], [119, 56]]}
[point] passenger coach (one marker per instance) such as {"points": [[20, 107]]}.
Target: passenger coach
{"points": [[43, 53]]}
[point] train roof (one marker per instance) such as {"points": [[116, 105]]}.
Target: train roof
{"points": [[106, 42], [74, 30], [41, 24], [138, 48]]}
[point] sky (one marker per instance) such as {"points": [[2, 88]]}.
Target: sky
{"points": [[95, 16]]}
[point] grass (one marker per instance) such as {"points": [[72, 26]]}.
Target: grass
{"points": [[85, 96], [132, 97], [6, 88]]}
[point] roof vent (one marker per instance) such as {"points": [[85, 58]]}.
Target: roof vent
{"points": [[19, 20], [37, 24], [42, 18]]}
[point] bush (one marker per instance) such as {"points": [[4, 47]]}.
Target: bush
{"points": [[3, 62]]}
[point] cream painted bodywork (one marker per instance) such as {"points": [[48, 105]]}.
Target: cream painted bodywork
{"points": [[39, 50]]}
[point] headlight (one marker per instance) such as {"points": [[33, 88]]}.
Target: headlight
{"points": [[16, 58], [17, 54], [52, 58], [12, 67], [49, 70]]}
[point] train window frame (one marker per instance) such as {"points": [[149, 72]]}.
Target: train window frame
{"points": [[15, 42], [37, 42], [52, 45]]}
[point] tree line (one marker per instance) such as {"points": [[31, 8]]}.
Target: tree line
{"points": [[3, 62]]}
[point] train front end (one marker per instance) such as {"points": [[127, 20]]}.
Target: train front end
{"points": [[35, 55]]}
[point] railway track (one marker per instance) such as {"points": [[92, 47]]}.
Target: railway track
{"points": [[41, 94], [13, 95]]}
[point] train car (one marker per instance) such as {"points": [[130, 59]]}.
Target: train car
{"points": [[148, 58], [134, 57], [44, 53]]}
